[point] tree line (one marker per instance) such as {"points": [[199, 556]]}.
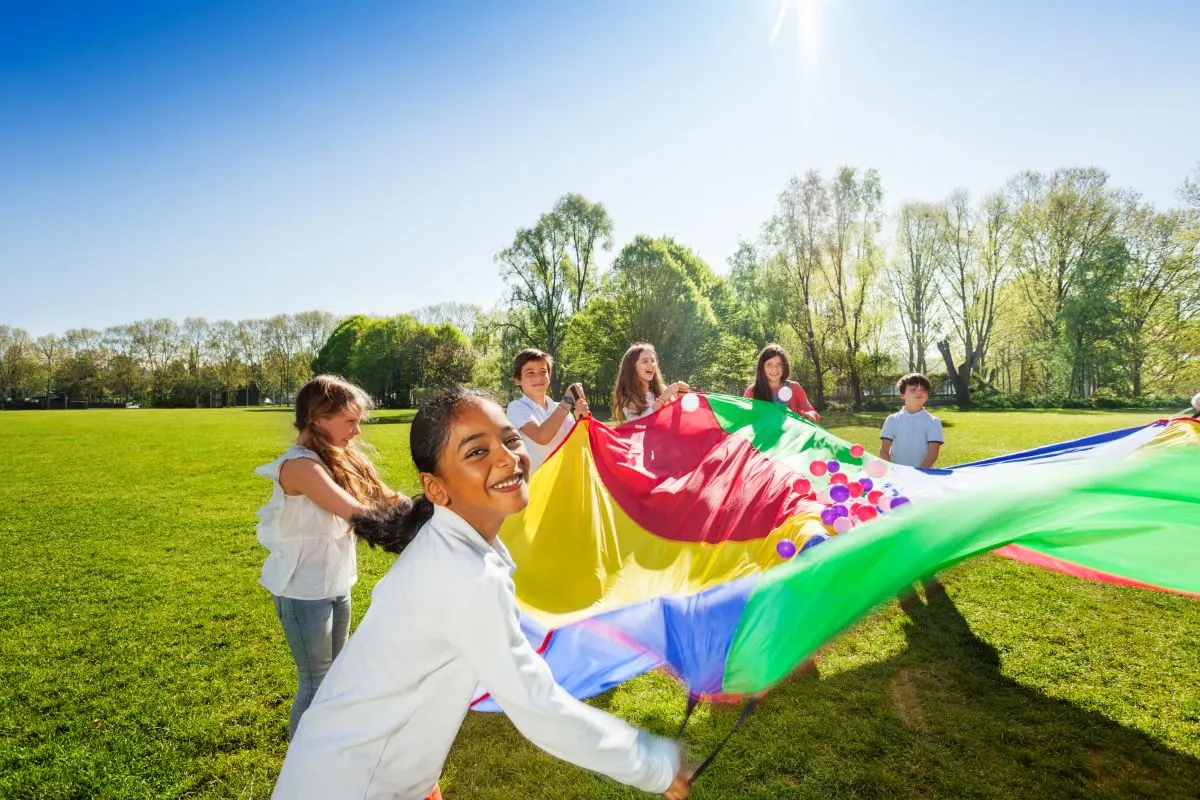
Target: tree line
{"points": [[1057, 286]]}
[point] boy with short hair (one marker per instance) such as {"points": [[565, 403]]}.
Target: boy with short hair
{"points": [[912, 436], [542, 422]]}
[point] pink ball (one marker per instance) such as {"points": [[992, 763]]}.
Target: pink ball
{"points": [[857, 450], [842, 524], [839, 478], [818, 468], [876, 468]]}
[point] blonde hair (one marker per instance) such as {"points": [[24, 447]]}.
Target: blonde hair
{"points": [[325, 396], [628, 389]]}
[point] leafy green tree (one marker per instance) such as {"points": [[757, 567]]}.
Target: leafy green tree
{"points": [[335, 355]]}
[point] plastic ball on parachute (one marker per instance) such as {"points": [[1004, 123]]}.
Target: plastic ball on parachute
{"points": [[857, 450], [899, 501], [785, 393], [840, 510], [801, 486], [867, 484], [828, 516], [834, 466], [839, 478], [786, 548], [842, 524], [874, 496], [856, 488], [876, 468], [690, 402], [818, 468], [839, 493]]}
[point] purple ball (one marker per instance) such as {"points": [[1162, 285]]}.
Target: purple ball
{"points": [[840, 493], [834, 467], [867, 484], [815, 540], [828, 516], [841, 510], [899, 501], [786, 548]]}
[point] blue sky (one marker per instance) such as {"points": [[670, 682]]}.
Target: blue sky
{"points": [[241, 159]]}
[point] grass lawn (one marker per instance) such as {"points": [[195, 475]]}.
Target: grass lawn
{"points": [[140, 658]]}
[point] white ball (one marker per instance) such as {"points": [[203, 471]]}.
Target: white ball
{"points": [[1196, 401], [785, 393], [690, 402]]}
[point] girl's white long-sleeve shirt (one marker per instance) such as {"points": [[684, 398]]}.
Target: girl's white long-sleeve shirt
{"points": [[442, 621]]}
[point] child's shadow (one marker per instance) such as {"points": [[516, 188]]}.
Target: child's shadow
{"points": [[938, 719]]}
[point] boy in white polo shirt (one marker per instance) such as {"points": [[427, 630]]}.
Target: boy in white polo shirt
{"points": [[542, 422], [912, 436]]}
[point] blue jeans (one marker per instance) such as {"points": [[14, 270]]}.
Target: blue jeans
{"points": [[315, 631]]}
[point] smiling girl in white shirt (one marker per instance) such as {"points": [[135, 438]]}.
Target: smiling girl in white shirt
{"points": [[640, 389], [444, 620]]}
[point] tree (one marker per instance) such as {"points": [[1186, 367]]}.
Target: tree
{"points": [[852, 268], [49, 348], [80, 370], [338, 351], [464, 316], [978, 252], [16, 351], [651, 294], [1162, 260], [793, 234], [587, 226], [1063, 220], [225, 344], [196, 335], [914, 276], [757, 294], [535, 269]]}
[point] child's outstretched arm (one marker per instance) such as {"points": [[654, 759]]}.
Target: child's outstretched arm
{"points": [[486, 630], [310, 478]]}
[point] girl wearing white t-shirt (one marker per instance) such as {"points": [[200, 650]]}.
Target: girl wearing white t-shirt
{"points": [[640, 389], [543, 423], [320, 482], [444, 620]]}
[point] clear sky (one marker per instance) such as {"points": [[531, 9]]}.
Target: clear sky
{"points": [[242, 159]]}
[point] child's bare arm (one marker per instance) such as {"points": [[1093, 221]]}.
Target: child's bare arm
{"points": [[931, 455], [885, 450]]}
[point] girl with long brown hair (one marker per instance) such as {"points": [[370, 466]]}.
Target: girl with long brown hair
{"points": [[640, 389], [772, 385], [320, 483]]}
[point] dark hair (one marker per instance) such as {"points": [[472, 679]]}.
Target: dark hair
{"points": [[762, 387], [628, 391], [394, 526], [531, 354], [913, 379]]}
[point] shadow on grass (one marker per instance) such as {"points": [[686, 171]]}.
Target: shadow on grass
{"points": [[937, 720]]}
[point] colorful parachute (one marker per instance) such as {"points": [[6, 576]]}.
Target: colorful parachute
{"points": [[688, 539]]}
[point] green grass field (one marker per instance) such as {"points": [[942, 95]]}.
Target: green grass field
{"points": [[140, 658]]}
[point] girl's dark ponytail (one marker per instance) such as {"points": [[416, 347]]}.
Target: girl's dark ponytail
{"points": [[392, 527]]}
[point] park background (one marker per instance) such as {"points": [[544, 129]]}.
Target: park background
{"points": [[1007, 198]]}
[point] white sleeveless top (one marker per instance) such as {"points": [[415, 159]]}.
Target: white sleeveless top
{"points": [[312, 551]]}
